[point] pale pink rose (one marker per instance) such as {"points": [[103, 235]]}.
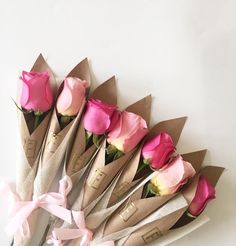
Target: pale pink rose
{"points": [[205, 192], [36, 92], [158, 150], [127, 132], [72, 96], [170, 179], [100, 117]]}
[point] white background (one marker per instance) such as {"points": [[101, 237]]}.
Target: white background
{"points": [[183, 52]]}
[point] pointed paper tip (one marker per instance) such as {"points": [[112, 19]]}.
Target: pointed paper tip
{"points": [[212, 173]]}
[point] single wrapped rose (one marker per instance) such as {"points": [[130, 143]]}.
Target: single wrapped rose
{"points": [[127, 132], [170, 179], [36, 92], [157, 151], [100, 117], [71, 97], [205, 192]]}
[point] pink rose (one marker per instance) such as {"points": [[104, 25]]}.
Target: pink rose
{"points": [[100, 117], [157, 151], [173, 177], [71, 97], [36, 93], [127, 132], [204, 193]]}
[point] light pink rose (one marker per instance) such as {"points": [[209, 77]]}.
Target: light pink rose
{"points": [[204, 193], [170, 179], [36, 93], [71, 97], [100, 117], [157, 151], [127, 132]]}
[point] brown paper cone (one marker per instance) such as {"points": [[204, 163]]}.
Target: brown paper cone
{"points": [[100, 174], [56, 144], [153, 230], [32, 140], [137, 208], [128, 178]]}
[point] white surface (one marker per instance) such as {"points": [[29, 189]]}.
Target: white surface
{"points": [[183, 52]]}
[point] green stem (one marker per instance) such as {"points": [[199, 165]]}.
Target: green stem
{"points": [[64, 121], [37, 119], [142, 165]]}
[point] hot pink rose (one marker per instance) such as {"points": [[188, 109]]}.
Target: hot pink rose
{"points": [[204, 193], [100, 117], [36, 93], [71, 97], [157, 151], [128, 132], [173, 177]]}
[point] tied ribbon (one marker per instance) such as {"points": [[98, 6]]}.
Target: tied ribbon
{"points": [[60, 234], [53, 202]]}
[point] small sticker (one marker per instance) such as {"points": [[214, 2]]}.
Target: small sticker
{"points": [[97, 179], [30, 147], [128, 211], [77, 161], [152, 235]]}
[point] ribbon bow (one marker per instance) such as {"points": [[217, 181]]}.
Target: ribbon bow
{"points": [[52, 202], [60, 234]]}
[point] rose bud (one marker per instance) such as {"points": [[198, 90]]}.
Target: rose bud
{"points": [[71, 97], [127, 132], [158, 150], [36, 92], [100, 117], [204, 193], [170, 179]]}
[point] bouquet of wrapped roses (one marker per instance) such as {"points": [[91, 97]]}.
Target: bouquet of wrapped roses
{"points": [[93, 174]]}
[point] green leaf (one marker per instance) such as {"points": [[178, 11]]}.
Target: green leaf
{"points": [[118, 154], [96, 140], [111, 150]]}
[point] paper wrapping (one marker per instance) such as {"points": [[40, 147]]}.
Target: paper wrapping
{"points": [[55, 146], [137, 208], [31, 141], [181, 223], [79, 159], [128, 178], [174, 205], [101, 175]]}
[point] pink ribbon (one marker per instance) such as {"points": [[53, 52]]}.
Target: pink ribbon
{"points": [[60, 234], [52, 202]]}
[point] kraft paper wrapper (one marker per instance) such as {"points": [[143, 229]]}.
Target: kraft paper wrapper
{"points": [[56, 144], [138, 208], [32, 141], [181, 223], [100, 174], [127, 179], [58, 140], [173, 205], [79, 155]]}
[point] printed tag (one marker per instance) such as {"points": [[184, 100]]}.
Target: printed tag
{"points": [[121, 189], [77, 161], [97, 179], [128, 211], [30, 147], [152, 235]]}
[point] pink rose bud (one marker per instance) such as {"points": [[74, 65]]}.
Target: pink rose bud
{"points": [[127, 132], [100, 117], [36, 92], [204, 193], [71, 97], [170, 179], [157, 151]]}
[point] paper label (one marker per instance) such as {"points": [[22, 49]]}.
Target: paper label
{"points": [[128, 211], [151, 235], [53, 143], [30, 147], [77, 161], [96, 179], [121, 189]]}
